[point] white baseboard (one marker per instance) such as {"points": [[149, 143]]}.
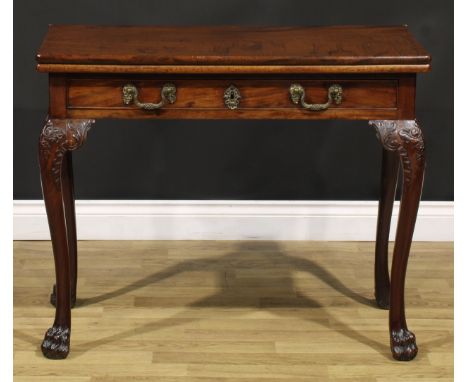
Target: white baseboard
{"points": [[230, 220]]}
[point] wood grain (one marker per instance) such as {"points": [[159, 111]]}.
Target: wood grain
{"points": [[208, 94], [232, 311], [231, 69], [365, 97], [297, 114], [231, 45]]}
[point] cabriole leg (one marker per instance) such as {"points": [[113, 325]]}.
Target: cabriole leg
{"points": [[57, 138], [69, 206], [406, 139], [388, 182]]}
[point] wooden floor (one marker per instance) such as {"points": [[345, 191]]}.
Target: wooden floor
{"points": [[175, 311]]}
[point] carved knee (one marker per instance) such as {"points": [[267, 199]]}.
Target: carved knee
{"points": [[57, 137], [406, 138]]}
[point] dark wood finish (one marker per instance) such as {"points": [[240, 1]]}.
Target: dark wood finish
{"points": [[57, 138], [406, 139], [194, 97], [375, 66], [407, 97], [57, 96], [388, 182], [230, 45], [256, 94], [69, 207], [231, 69], [263, 97], [296, 114]]}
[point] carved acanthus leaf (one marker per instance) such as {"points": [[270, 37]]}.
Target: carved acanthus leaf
{"points": [[403, 136], [59, 136]]}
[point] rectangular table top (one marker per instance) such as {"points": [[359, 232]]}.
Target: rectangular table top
{"points": [[88, 48]]}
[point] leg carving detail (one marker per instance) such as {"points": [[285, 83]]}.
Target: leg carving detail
{"points": [[58, 137], [406, 139], [56, 344], [403, 344]]}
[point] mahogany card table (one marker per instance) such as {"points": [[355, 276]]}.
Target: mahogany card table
{"points": [[312, 73]]}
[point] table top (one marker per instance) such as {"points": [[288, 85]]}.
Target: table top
{"points": [[358, 47]]}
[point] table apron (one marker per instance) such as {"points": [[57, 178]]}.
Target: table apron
{"points": [[363, 97]]}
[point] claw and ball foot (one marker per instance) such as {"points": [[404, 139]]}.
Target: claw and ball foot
{"points": [[403, 344], [56, 344]]}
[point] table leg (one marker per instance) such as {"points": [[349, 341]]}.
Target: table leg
{"points": [[57, 138], [388, 182], [406, 139], [69, 206]]}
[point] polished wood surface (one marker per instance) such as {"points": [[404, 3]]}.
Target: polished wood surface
{"points": [[230, 45], [210, 311], [406, 139], [69, 207], [58, 138], [208, 94], [141, 46], [388, 183], [231, 69], [365, 97]]}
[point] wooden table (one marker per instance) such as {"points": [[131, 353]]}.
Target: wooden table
{"points": [[136, 72]]}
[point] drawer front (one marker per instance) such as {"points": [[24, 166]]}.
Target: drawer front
{"points": [[204, 98]]}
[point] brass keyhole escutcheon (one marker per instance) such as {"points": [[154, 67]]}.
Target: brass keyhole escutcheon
{"points": [[232, 97]]}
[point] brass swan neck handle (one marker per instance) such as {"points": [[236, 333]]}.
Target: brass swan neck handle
{"points": [[130, 94], [297, 94]]}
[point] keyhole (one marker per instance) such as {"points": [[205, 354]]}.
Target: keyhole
{"points": [[232, 96]]}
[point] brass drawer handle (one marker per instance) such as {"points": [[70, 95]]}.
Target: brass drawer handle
{"points": [[297, 93], [130, 94]]}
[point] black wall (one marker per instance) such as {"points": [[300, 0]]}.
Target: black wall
{"points": [[233, 159]]}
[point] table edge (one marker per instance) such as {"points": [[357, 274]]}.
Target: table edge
{"points": [[231, 69]]}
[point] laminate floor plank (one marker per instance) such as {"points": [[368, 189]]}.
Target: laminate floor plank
{"points": [[230, 311]]}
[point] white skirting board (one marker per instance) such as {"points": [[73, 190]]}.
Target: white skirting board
{"points": [[230, 220]]}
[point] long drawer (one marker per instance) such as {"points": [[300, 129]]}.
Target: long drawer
{"points": [[232, 98]]}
